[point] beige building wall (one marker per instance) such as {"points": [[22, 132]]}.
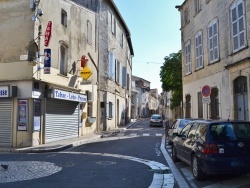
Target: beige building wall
{"points": [[222, 73]]}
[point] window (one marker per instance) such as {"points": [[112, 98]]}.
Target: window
{"points": [[192, 133], [124, 77], [197, 6], [113, 25], [238, 25], [89, 32], [118, 72], [128, 82], [200, 106], [213, 41], [185, 130], [214, 105], [121, 39], [63, 59], [188, 106], [111, 66], [186, 16], [188, 57], [64, 18], [198, 49], [109, 110], [90, 109]]}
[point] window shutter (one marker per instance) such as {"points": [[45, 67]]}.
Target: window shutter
{"points": [[113, 67], [124, 76], [116, 72], [112, 109], [120, 79], [215, 41], [107, 110], [110, 64]]}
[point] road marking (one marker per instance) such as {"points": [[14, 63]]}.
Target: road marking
{"points": [[177, 175], [133, 134], [145, 134], [159, 180], [158, 134]]}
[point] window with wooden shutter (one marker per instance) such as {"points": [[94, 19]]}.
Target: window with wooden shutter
{"points": [[188, 57], [237, 12], [89, 32], [124, 77], [111, 66], [199, 50], [213, 41]]}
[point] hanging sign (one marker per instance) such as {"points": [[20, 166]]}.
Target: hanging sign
{"points": [[86, 73], [47, 34], [47, 61]]}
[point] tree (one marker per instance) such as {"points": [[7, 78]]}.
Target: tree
{"points": [[171, 78]]}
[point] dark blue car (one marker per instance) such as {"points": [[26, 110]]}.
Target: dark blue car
{"points": [[214, 147]]}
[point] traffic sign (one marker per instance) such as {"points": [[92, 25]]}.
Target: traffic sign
{"points": [[206, 100], [86, 73], [206, 91]]}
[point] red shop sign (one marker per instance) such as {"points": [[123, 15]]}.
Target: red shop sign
{"points": [[48, 33]]}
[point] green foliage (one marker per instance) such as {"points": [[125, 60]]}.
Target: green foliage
{"points": [[171, 77]]}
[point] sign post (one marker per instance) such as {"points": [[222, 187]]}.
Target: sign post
{"points": [[206, 91]]}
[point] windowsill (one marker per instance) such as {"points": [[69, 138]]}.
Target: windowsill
{"points": [[240, 50], [188, 74], [200, 68], [214, 62]]}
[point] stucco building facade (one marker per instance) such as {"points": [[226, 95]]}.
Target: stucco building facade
{"points": [[215, 58]]}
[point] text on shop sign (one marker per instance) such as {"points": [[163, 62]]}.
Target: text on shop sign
{"points": [[59, 94]]}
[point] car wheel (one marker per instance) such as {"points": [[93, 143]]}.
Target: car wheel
{"points": [[196, 169], [174, 154]]}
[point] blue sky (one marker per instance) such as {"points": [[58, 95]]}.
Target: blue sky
{"points": [[155, 31]]}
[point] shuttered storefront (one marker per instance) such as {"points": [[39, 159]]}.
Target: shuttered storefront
{"points": [[62, 118], [5, 122]]}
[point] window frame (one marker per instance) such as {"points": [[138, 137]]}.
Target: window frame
{"points": [[199, 50], [188, 57], [64, 18], [211, 40], [197, 6], [63, 64], [89, 33], [237, 21]]}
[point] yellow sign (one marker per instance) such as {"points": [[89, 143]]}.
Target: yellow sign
{"points": [[86, 73]]}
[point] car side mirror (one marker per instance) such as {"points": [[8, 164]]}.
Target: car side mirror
{"points": [[175, 134]]}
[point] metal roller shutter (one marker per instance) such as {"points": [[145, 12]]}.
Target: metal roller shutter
{"points": [[5, 122], [61, 120]]}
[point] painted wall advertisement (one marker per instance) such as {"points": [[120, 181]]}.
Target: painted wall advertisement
{"points": [[37, 115], [22, 115]]}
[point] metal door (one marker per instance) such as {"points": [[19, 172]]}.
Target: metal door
{"points": [[5, 122]]}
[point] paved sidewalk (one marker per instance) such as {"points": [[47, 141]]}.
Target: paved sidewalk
{"points": [[67, 143]]}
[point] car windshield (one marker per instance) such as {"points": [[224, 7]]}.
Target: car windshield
{"points": [[156, 117], [230, 131], [184, 122]]}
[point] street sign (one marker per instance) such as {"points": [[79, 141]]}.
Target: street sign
{"points": [[47, 34], [86, 73], [206, 91], [206, 100]]}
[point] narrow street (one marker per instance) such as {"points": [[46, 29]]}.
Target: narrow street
{"points": [[137, 157]]}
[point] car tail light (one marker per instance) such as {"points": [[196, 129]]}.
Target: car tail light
{"points": [[210, 149]]}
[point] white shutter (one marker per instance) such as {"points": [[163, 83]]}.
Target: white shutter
{"points": [[113, 110], [107, 110], [110, 64], [113, 67], [215, 41], [210, 38], [124, 76], [120, 79]]}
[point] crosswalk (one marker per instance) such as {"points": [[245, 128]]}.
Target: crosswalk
{"points": [[140, 134]]}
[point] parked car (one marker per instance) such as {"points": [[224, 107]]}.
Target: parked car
{"points": [[156, 120], [214, 147], [176, 127]]}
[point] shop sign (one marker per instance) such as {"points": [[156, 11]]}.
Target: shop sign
{"points": [[47, 34], [22, 115], [86, 73], [64, 95], [4, 91], [47, 61]]}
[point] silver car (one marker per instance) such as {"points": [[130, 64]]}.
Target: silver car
{"points": [[156, 120]]}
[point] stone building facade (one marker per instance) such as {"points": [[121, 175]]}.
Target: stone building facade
{"points": [[215, 58]]}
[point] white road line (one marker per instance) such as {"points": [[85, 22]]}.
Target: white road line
{"points": [[145, 134], [159, 180], [158, 134], [232, 183], [133, 134], [177, 175]]}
